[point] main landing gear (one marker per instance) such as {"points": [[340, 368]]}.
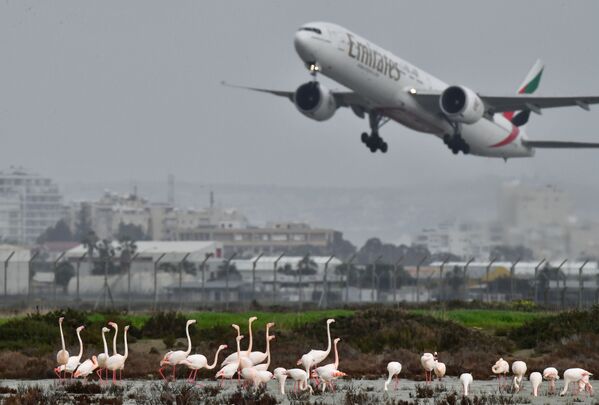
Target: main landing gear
{"points": [[374, 141], [455, 142]]}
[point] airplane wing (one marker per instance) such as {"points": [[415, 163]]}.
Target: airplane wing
{"points": [[343, 98], [560, 144], [497, 104]]}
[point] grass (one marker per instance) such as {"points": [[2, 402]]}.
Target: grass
{"points": [[486, 319]]}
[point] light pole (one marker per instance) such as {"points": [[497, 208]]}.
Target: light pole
{"points": [[580, 284], [156, 279], [30, 275], [180, 265], [129, 280], [254, 262], [418, 277], [466, 278], [79, 260], [512, 274], [55, 267], [441, 279], [274, 278], [325, 286], [227, 262], [203, 268], [536, 290], [6, 273], [395, 268], [372, 292], [348, 265]]}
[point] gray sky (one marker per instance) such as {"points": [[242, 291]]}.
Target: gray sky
{"points": [[130, 90]]}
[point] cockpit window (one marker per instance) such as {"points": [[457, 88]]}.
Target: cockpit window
{"points": [[311, 29]]}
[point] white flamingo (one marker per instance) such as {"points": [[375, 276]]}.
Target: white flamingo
{"points": [[466, 380], [229, 370], [439, 369], [233, 357], [196, 362], [578, 376], [393, 368], [501, 368], [73, 361], [173, 358], [428, 364], [117, 361], [535, 380], [102, 357], [300, 377], [280, 374], [551, 374], [258, 357], [62, 357], [86, 368], [314, 357], [518, 369], [265, 366], [330, 371]]}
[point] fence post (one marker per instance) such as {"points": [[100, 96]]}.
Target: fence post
{"points": [[6, 273]]}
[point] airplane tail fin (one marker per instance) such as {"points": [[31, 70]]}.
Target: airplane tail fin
{"points": [[529, 85]]}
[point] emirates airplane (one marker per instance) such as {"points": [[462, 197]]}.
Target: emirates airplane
{"points": [[384, 87]]}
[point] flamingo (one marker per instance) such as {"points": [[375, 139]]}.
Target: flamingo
{"points": [[313, 357], [233, 357], [86, 368], [196, 362], [551, 375], [439, 369], [73, 361], [173, 358], [117, 361], [535, 380], [393, 368], [264, 366], [518, 369], [466, 380], [280, 374], [62, 357], [428, 364], [229, 370], [501, 367], [329, 372], [102, 357], [300, 377], [579, 376], [259, 357]]}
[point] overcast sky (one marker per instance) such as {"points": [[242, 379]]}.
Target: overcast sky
{"points": [[131, 90]]}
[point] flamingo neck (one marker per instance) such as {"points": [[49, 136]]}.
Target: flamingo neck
{"points": [[329, 338], [188, 340], [249, 350], [80, 343], [267, 350], [211, 366], [62, 336], [116, 331], [126, 347], [105, 345], [336, 357], [238, 351]]}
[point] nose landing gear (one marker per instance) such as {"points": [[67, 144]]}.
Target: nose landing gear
{"points": [[456, 144], [374, 141]]}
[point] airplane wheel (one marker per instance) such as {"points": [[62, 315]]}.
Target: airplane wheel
{"points": [[446, 139], [455, 150], [466, 149], [364, 137], [373, 148], [384, 147]]}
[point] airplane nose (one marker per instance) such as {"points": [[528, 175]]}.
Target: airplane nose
{"points": [[301, 41]]}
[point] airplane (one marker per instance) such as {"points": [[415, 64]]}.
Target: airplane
{"points": [[384, 87]]}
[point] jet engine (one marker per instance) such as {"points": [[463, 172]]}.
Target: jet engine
{"points": [[460, 104], [315, 101]]}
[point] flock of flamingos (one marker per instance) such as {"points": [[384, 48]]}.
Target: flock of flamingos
{"points": [[252, 366]]}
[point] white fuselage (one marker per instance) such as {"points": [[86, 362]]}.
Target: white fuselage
{"points": [[386, 80]]}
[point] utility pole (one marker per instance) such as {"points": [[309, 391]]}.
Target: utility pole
{"points": [[156, 279], [254, 262]]}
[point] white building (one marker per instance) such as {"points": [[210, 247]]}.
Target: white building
{"points": [[29, 204]]}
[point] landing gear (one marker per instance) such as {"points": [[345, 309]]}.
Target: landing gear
{"points": [[455, 142], [374, 141]]}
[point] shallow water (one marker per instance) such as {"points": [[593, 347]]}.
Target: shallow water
{"points": [[373, 389]]}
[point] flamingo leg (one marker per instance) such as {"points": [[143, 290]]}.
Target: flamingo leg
{"points": [[99, 373], [161, 373], [121, 374], [174, 372], [114, 376]]}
